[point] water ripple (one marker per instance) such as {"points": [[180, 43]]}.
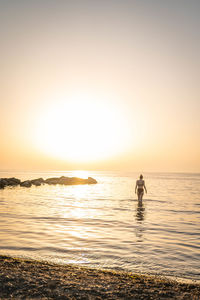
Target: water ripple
{"points": [[104, 225]]}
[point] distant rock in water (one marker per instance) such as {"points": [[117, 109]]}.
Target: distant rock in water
{"points": [[39, 181], [70, 180], [9, 182], [26, 183]]}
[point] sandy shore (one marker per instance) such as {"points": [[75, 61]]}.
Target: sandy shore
{"points": [[29, 279]]}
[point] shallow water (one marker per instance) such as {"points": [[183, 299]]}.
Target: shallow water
{"points": [[103, 225]]}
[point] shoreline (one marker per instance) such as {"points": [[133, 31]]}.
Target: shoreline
{"points": [[33, 279]]}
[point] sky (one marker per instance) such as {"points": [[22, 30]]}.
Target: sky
{"points": [[100, 85]]}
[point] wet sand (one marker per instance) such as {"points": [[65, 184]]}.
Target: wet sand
{"points": [[31, 279]]}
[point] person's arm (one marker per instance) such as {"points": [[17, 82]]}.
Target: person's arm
{"points": [[136, 187], [145, 188]]}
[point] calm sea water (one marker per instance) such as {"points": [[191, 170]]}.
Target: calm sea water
{"points": [[103, 225]]}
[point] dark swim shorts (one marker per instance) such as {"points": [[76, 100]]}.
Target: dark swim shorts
{"points": [[140, 191]]}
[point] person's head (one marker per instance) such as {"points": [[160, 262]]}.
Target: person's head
{"points": [[141, 176]]}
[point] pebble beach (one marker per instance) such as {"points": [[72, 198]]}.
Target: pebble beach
{"points": [[31, 279]]}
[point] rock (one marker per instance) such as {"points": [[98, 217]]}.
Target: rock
{"points": [[64, 180], [59, 180], [26, 183], [9, 182], [2, 185], [37, 181], [41, 180], [91, 180], [4, 181], [53, 180], [13, 181], [70, 180]]}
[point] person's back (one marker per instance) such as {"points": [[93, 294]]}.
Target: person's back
{"points": [[140, 186], [140, 183]]}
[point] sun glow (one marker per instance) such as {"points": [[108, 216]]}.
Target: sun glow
{"points": [[82, 129]]}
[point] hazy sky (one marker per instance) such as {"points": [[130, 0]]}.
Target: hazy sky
{"points": [[124, 73]]}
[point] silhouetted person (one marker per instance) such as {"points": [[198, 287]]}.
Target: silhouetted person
{"points": [[139, 187]]}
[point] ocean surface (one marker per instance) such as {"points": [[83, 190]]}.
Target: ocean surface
{"points": [[103, 225]]}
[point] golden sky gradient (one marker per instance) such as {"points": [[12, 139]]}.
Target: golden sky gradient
{"points": [[102, 85]]}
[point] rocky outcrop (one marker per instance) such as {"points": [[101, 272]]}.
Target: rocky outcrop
{"points": [[26, 183], [29, 183], [39, 181], [70, 180], [9, 182], [91, 180]]}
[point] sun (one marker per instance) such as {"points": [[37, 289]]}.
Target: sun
{"points": [[81, 129]]}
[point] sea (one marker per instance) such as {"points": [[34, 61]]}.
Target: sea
{"points": [[103, 225]]}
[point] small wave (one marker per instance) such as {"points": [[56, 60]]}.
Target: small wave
{"points": [[155, 200], [26, 249]]}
